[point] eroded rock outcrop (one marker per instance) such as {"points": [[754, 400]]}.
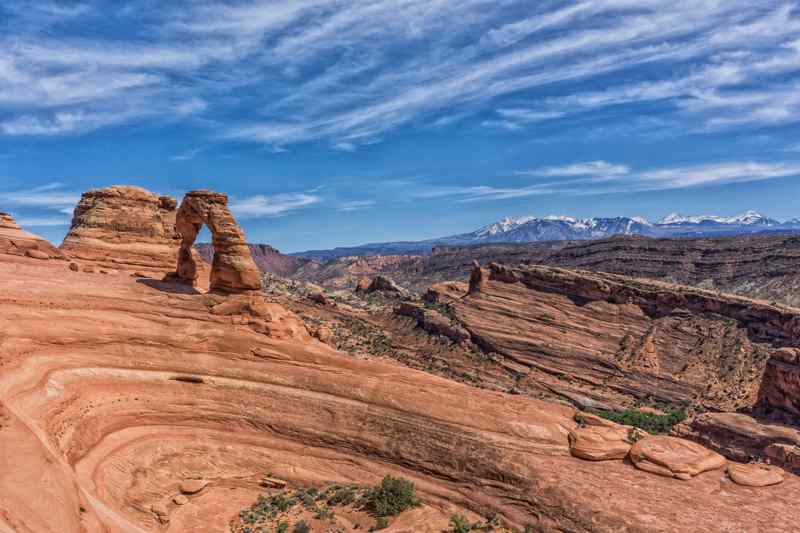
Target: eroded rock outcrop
{"points": [[124, 227], [16, 241], [607, 340], [233, 268], [674, 457]]}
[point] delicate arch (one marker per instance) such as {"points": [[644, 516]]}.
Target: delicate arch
{"points": [[233, 268]]}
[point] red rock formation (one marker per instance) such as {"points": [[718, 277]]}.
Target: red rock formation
{"points": [[124, 227], [781, 384], [114, 393], [605, 340], [233, 269], [16, 241]]}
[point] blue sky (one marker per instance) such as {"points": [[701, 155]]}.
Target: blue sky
{"points": [[336, 122]]}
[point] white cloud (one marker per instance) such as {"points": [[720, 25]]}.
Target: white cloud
{"points": [[50, 196], [261, 206], [617, 179], [355, 205], [591, 168], [341, 72]]}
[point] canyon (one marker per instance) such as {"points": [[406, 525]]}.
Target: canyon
{"points": [[143, 389]]}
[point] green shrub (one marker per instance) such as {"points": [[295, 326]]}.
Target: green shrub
{"points": [[343, 496], [283, 527], [391, 497], [380, 523], [459, 524], [301, 527], [649, 422]]}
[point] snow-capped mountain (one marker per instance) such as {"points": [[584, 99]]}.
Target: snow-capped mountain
{"points": [[559, 228], [749, 218], [551, 228]]}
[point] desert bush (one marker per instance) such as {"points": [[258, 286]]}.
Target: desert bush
{"points": [[302, 527], [391, 497], [649, 422], [459, 524]]}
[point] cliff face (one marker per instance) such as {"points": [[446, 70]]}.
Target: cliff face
{"points": [[756, 266], [603, 339], [124, 227]]}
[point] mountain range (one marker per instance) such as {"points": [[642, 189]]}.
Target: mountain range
{"points": [[556, 228]]}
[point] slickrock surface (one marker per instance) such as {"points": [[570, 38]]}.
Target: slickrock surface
{"points": [[16, 241], [674, 457], [113, 392], [233, 269], [124, 227]]}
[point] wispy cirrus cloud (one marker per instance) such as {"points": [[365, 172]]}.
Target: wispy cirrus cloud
{"points": [[601, 177], [348, 73], [47, 205], [262, 206]]}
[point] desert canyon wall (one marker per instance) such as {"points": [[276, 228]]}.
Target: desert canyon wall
{"points": [[118, 394]]}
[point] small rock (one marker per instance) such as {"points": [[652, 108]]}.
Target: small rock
{"points": [[324, 334], [180, 499], [321, 299], [273, 483], [139, 275], [193, 486], [89, 270], [755, 475], [162, 513], [37, 254], [74, 267]]}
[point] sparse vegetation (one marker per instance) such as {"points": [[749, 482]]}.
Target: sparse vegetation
{"points": [[460, 524], [391, 497], [649, 422], [302, 527]]}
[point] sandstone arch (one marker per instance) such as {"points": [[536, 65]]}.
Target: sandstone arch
{"points": [[233, 268]]}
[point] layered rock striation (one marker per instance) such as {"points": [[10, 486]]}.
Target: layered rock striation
{"points": [[233, 268], [124, 227]]}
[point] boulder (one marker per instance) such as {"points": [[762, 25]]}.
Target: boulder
{"points": [[193, 486], [600, 443], [674, 457], [755, 475], [324, 334], [233, 269], [180, 499]]}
